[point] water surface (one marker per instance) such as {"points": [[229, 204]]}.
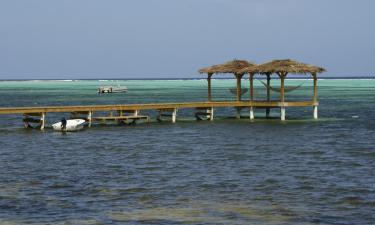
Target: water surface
{"points": [[223, 172]]}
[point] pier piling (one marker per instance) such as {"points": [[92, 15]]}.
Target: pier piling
{"points": [[210, 114], [42, 121], [315, 112], [282, 113], [251, 113], [238, 112]]}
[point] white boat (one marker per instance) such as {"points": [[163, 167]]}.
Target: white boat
{"points": [[71, 125], [118, 89]]}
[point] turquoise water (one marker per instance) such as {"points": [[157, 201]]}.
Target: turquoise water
{"points": [[227, 171]]}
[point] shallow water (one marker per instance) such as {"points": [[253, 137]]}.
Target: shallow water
{"points": [[223, 172]]}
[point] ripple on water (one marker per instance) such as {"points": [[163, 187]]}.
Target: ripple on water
{"points": [[222, 172]]}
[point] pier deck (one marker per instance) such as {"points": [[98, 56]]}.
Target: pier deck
{"points": [[130, 112], [93, 108]]}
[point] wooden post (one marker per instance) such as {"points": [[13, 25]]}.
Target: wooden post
{"points": [[174, 115], [268, 93], [158, 118], [89, 118], [238, 109], [25, 121], [282, 92], [251, 79], [210, 113], [251, 113], [315, 96], [238, 112], [238, 77], [282, 113], [209, 86], [315, 107], [282, 76], [42, 121]]}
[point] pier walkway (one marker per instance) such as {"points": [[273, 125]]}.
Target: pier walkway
{"points": [[129, 113]]}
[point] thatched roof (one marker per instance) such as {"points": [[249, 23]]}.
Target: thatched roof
{"points": [[283, 66], [233, 66]]}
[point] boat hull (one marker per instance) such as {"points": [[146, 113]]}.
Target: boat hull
{"points": [[71, 125]]}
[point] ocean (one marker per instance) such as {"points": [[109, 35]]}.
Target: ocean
{"points": [[226, 171]]}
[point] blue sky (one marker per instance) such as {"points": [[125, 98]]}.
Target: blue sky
{"points": [[73, 39]]}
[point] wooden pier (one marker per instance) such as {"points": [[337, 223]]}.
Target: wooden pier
{"points": [[130, 113]]}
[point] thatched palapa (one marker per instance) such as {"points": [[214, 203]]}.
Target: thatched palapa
{"points": [[234, 66], [283, 66]]}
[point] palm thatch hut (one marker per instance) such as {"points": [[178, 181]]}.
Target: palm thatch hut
{"points": [[282, 68], [234, 66]]}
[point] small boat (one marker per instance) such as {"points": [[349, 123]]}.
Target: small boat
{"points": [[71, 125], [110, 89]]}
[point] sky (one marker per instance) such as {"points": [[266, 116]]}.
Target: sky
{"points": [[93, 39]]}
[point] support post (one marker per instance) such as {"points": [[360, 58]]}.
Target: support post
{"points": [[282, 86], [209, 86], [42, 121], [210, 113], [238, 78], [315, 96], [238, 109], [174, 115], [89, 118], [268, 93], [282, 113], [158, 117], [251, 113], [315, 107], [238, 112], [136, 112], [251, 79], [25, 121], [282, 76]]}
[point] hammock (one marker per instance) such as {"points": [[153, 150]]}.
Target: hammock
{"points": [[234, 90], [286, 89]]}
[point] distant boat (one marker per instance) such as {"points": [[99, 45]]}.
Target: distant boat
{"points": [[111, 89], [71, 125]]}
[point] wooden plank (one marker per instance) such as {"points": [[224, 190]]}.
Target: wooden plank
{"points": [[159, 106]]}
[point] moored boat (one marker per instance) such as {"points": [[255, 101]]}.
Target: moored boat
{"points": [[71, 125], [110, 89]]}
